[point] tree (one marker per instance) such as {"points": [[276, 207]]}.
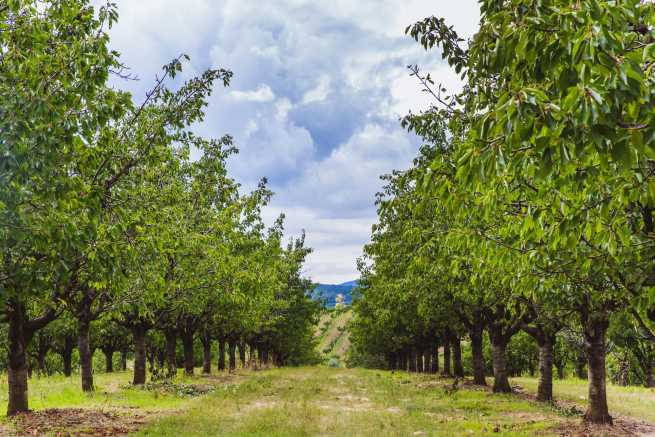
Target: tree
{"points": [[55, 100]]}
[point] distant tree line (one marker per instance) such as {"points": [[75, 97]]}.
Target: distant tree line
{"points": [[113, 237]]}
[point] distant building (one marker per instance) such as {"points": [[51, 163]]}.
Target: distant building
{"points": [[340, 300]]}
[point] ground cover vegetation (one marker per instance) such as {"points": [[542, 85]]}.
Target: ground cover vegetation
{"points": [[526, 221], [295, 401], [121, 230]]}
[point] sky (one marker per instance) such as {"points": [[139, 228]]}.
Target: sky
{"points": [[314, 105]]}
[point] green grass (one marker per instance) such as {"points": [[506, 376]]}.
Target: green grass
{"points": [[353, 402], [112, 391], [330, 402], [636, 402]]}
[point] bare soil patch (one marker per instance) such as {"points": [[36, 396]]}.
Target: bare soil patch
{"points": [[77, 422], [623, 427]]}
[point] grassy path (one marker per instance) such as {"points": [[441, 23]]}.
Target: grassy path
{"points": [[353, 402], [312, 401]]}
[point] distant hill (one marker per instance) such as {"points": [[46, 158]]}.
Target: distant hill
{"points": [[332, 335], [329, 292]]}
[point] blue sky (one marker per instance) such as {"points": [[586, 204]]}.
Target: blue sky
{"points": [[318, 89]]}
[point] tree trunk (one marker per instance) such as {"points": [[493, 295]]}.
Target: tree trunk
{"points": [[499, 357], [242, 354], [206, 356], [187, 344], [446, 357], [139, 337], [477, 355], [221, 355], [419, 361], [649, 381], [83, 346], [232, 355], [597, 410], [17, 358], [392, 361], [434, 359], [123, 360], [458, 368], [109, 360], [412, 360], [67, 358], [171, 346], [580, 364], [150, 353], [42, 371], [560, 372], [67, 354], [545, 387]]}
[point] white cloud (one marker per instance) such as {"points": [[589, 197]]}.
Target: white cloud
{"points": [[262, 94], [318, 94], [318, 88]]}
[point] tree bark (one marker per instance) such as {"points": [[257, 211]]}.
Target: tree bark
{"points": [[139, 337], [649, 381], [545, 387], [580, 364], [477, 355], [41, 370], [434, 359], [17, 358], [206, 356], [392, 361], [123, 360], [419, 360], [187, 344], [221, 355], [232, 355], [458, 368], [446, 357], [427, 361], [499, 357], [264, 356], [412, 360], [67, 354], [597, 410], [242, 353], [84, 347], [109, 360], [171, 346]]}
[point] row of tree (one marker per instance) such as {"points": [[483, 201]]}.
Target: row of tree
{"points": [[530, 208], [116, 216]]}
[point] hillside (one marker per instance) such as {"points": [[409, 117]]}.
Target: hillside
{"points": [[333, 336], [329, 292]]}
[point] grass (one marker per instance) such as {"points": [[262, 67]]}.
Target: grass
{"points": [[324, 401], [353, 402], [112, 391], [636, 402]]}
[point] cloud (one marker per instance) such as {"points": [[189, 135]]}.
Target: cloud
{"points": [[262, 94], [318, 94], [318, 89]]}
